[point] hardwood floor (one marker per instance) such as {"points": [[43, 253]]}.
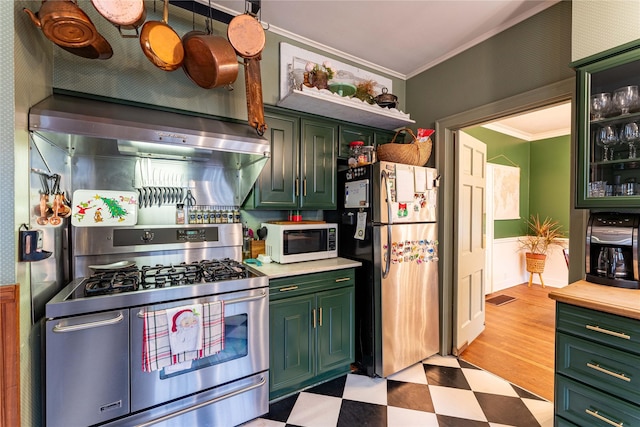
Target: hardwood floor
{"points": [[518, 341]]}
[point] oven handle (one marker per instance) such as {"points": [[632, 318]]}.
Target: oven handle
{"points": [[228, 301], [60, 328], [200, 405]]}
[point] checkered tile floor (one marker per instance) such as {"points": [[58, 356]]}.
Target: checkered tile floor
{"points": [[440, 391]]}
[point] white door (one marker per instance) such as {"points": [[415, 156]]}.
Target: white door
{"points": [[471, 158]]}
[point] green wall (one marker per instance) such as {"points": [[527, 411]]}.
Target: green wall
{"points": [[545, 176], [527, 56], [550, 179]]}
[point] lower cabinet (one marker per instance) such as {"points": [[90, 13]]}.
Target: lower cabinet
{"points": [[597, 378], [311, 329]]}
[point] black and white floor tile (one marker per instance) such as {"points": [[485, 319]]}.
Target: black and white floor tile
{"points": [[440, 391]]}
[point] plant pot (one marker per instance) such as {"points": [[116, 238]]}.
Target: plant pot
{"points": [[535, 262], [319, 79]]}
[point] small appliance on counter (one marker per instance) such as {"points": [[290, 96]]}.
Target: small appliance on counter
{"points": [[300, 241], [612, 250]]}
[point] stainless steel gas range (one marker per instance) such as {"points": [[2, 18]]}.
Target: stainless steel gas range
{"points": [[96, 330]]}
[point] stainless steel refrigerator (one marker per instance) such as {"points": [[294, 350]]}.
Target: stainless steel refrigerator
{"points": [[397, 285]]}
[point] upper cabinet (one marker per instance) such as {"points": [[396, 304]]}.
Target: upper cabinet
{"points": [[301, 173], [608, 130]]}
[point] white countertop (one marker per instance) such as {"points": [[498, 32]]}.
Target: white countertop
{"points": [[274, 270]]}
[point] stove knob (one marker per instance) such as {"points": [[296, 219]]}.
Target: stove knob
{"points": [[146, 236]]}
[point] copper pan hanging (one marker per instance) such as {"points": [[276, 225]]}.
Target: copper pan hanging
{"points": [[246, 35]]}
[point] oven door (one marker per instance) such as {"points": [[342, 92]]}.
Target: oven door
{"points": [[246, 344]]}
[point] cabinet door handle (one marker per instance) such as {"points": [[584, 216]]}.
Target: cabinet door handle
{"points": [[608, 332], [304, 187], [598, 368], [343, 279], [297, 184], [601, 418], [289, 288], [314, 317], [320, 318]]}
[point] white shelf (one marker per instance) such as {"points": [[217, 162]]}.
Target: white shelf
{"points": [[325, 103]]}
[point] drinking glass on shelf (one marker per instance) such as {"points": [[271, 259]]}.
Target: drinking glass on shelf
{"points": [[607, 137], [600, 104], [625, 98], [630, 134]]}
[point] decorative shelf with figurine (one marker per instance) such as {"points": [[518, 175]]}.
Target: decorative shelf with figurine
{"points": [[347, 93]]}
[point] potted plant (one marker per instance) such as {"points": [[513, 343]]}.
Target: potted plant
{"points": [[541, 235]]}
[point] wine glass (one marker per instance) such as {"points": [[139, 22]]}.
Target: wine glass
{"points": [[625, 98], [629, 134], [600, 104], [607, 137]]}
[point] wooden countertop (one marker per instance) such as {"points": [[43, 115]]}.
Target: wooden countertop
{"points": [[609, 299], [274, 270]]}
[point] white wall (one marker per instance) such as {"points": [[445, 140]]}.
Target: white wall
{"points": [[509, 266]]}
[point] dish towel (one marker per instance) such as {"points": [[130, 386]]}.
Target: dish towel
{"points": [[213, 325], [156, 344], [185, 328]]}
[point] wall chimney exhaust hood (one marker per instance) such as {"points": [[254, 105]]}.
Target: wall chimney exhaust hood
{"points": [[80, 116], [89, 127]]}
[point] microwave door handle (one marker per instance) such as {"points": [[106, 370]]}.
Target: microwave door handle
{"points": [[387, 253]]}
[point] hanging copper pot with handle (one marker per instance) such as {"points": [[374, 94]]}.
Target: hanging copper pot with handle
{"points": [[246, 35], [64, 23], [209, 60], [161, 44]]}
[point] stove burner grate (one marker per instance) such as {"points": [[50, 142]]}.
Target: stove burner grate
{"points": [[161, 276], [112, 282]]}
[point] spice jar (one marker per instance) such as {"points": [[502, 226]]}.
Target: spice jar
{"points": [[355, 153], [367, 155]]}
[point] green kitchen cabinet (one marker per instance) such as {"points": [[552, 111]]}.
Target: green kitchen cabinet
{"points": [[608, 155], [317, 179], [302, 170], [311, 329], [597, 377], [276, 185]]}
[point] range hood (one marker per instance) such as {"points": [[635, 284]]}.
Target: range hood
{"points": [[92, 127], [100, 119]]}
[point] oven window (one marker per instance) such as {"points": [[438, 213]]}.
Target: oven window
{"points": [[235, 346], [304, 241]]}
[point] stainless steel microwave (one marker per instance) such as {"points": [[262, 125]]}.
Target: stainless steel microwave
{"points": [[301, 242]]}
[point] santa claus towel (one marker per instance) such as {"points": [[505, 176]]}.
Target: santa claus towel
{"points": [[185, 328], [156, 348]]}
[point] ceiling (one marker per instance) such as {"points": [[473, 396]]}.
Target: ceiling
{"points": [[403, 38]]}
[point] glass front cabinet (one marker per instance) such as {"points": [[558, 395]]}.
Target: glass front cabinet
{"points": [[608, 129]]}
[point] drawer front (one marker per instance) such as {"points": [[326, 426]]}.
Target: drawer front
{"points": [[561, 422], [602, 367], [309, 283], [605, 328], [586, 406]]}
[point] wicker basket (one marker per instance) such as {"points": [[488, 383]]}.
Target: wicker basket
{"points": [[535, 262], [415, 153]]}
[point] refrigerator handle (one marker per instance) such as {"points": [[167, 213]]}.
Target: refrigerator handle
{"points": [[387, 253]]}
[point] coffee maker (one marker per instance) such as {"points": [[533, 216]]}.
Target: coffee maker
{"points": [[612, 250]]}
